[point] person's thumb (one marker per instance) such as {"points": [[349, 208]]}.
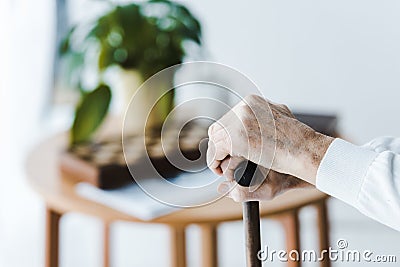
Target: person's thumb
{"points": [[224, 188]]}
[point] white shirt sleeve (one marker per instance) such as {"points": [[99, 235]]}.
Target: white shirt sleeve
{"points": [[366, 177]]}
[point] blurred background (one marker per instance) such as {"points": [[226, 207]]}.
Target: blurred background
{"points": [[331, 57]]}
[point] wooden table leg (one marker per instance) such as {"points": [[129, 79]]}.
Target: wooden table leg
{"points": [[209, 245], [52, 237], [178, 246], [290, 222], [323, 231], [106, 247]]}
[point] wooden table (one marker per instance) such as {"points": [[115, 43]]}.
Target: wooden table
{"points": [[60, 198]]}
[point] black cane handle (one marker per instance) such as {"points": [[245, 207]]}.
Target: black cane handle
{"points": [[245, 172], [251, 215]]}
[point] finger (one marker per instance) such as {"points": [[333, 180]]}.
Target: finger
{"points": [[242, 194], [212, 163], [224, 188], [221, 151], [227, 171], [210, 157], [229, 165], [220, 134], [225, 164], [232, 117], [239, 193], [215, 164], [216, 126], [217, 170]]}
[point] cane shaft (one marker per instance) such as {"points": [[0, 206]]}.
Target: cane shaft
{"points": [[244, 175], [251, 220]]}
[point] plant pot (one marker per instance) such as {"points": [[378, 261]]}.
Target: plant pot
{"points": [[140, 108]]}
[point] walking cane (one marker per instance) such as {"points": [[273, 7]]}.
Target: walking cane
{"points": [[251, 214]]}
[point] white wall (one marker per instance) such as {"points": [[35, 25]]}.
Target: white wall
{"points": [[332, 56]]}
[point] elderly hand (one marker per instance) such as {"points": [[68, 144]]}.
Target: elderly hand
{"points": [[269, 135], [274, 184]]}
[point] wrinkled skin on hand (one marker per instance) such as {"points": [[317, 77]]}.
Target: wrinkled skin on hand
{"points": [[267, 134], [274, 184]]}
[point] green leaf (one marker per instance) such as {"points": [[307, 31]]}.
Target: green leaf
{"points": [[134, 36], [90, 114], [65, 42]]}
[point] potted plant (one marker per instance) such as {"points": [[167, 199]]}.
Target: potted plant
{"points": [[127, 44]]}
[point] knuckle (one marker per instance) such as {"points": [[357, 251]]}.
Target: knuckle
{"points": [[249, 97], [244, 112], [210, 154], [211, 129], [283, 106], [246, 109], [239, 193], [252, 97], [229, 176]]}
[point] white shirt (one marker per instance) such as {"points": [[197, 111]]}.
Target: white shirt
{"points": [[366, 177]]}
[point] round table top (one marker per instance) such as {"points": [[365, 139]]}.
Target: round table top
{"points": [[59, 194]]}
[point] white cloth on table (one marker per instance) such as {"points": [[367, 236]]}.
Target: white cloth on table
{"points": [[132, 200]]}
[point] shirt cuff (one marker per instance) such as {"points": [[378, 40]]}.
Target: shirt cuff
{"points": [[343, 169]]}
